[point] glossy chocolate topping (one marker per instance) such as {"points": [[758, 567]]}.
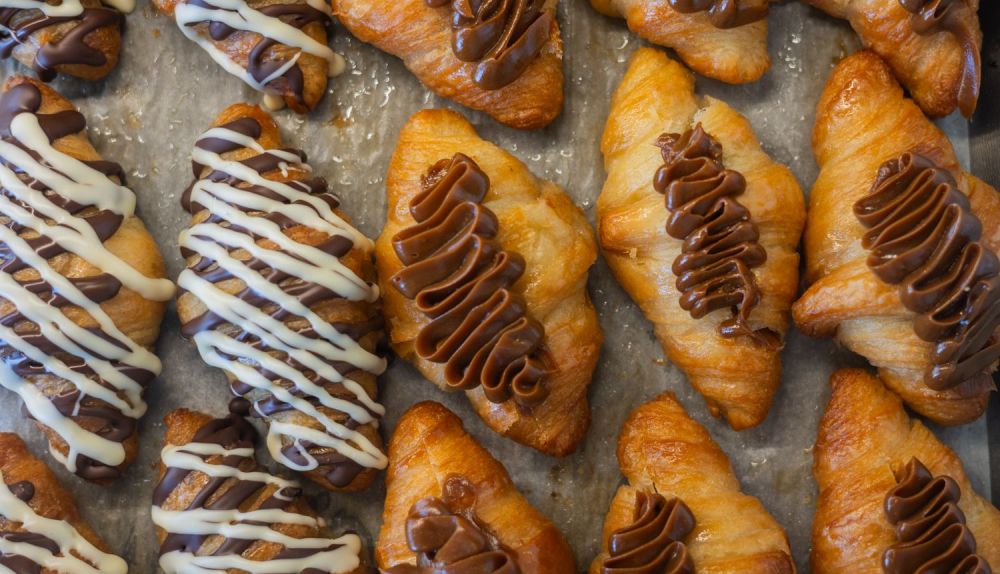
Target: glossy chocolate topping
{"points": [[654, 542], [501, 37], [924, 238], [458, 275], [720, 241], [724, 13], [930, 528], [957, 18]]}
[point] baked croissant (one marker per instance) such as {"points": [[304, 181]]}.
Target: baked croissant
{"points": [[483, 269], [451, 507], [891, 248], [217, 510], [82, 288], [277, 47], [40, 528], [721, 39], [932, 46], [79, 38], [279, 293], [881, 476], [682, 509], [501, 58], [716, 269]]}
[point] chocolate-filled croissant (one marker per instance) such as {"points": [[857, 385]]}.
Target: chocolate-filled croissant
{"points": [[80, 300], [278, 292]]}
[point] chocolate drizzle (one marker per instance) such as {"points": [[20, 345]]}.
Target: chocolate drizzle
{"points": [[923, 237], [459, 276], [957, 18], [654, 542], [501, 37], [930, 527], [720, 241], [724, 13]]}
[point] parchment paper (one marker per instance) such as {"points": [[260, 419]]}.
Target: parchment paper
{"points": [[166, 91]]}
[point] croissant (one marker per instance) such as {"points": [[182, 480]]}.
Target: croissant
{"points": [[279, 294], [217, 510], [501, 58], [721, 39], [932, 46], [82, 288], [889, 179], [450, 506], [483, 270], [879, 475], [277, 47], [715, 270], [682, 509]]}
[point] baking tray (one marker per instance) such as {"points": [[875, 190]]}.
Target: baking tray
{"points": [[166, 91]]}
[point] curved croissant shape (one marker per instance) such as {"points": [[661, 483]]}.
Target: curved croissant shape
{"points": [[932, 46], [737, 375], [864, 121], [506, 62], [519, 332], [865, 451], [662, 450], [437, 469], [279, 293], [82, 288], [702, 32]]}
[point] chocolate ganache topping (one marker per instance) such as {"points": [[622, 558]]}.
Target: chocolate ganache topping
{"points": [[930, 527], [458, 275], [501, 37], [923, 237], [957, 18], [724, 13], [654, 542], [720, 241]]}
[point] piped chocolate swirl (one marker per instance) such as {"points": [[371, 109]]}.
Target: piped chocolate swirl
{"points": [[461, 278], [724, 14], [923, 237], [959, 19], [720, 241], [501, 37], [930, 527], [654, 542]]}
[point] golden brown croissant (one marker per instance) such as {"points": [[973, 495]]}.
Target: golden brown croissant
{"points": [[872, 144], [682, 492], [733, 254], [721, 39], [40, 528], [80, 301], [869, 448], [512, 325], [279, 293], [217, 510], [458, 49], [932, 45], [447, 492], [277, 47]]}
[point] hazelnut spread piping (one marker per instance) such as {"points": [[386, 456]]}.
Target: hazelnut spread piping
{"points": [[654, 542], [720, 241], [458, 275], [724, 13], [271, 337], [953, 16], [213, 488], [501, 37], [924, 238], [448, 539], [101, 372], [930, 528]]}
